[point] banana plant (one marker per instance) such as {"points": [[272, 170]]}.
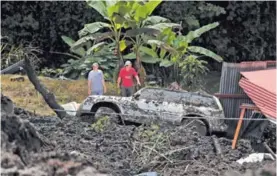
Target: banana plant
{"points": [[173, 48], [141, 25], [84, 57], [93, 32], [119, 17]]}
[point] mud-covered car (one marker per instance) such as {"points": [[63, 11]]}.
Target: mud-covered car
{"points": [[147, 105]]}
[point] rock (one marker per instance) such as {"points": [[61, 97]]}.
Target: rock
{"points": [[10, 160], [255, 157], [22, 132], [7, 106]]}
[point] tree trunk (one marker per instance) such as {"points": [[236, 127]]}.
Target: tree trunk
{"points": [[140, 69], [120, 63], [47, 95]]}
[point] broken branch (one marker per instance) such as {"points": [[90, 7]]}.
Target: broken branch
{"points": [[47, 95], [217, 146]]}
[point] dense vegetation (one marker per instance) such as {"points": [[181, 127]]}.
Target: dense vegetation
{"points": [[246, 31]]}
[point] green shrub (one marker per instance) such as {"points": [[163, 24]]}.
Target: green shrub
{"points": [[100, 125]]}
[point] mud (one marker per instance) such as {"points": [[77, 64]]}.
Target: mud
{"points": [[129, 150], [50, 146]]}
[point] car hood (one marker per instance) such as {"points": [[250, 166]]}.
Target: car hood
{"points": [[97, 98], [90, 100]]}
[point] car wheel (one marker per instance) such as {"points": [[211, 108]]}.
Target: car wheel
{"points": [[105, 111], [195, 125]]}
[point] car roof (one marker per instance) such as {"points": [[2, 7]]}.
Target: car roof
{"points": [[177, 91]]}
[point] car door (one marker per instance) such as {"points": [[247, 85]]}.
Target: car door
{"points": [[149, 104], [172, 107]]}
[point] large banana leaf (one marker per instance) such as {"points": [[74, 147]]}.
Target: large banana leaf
{"points": [[151, 20], [94, 47], [97, 37], [206, 52], [136, 32], [144, 58], [148, 51], [198, 32], [122, 45], [99, 6], [130, 56], [110, 3], [149, 60], [161, 44], [91, 28], [151, 6], [166, 63], [143, 10], [162, 26], [80, 51]]}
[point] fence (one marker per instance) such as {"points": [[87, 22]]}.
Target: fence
{"points": [[232, 95]]}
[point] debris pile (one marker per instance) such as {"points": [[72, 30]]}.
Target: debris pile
{"points": [[26, 152], [130, 150], [50, 146]]}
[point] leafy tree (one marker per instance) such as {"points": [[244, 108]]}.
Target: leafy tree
{"points": [[248, 32], [42, 23], [191, 14]]}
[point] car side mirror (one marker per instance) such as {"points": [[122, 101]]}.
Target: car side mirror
{"points": [[136, 96]]}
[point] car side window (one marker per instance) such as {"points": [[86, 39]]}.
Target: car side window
{"points": [[152, 94]]}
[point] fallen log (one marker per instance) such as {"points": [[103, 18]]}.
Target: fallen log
{"points": [[46, 94], [269, 150], [13, 68]]}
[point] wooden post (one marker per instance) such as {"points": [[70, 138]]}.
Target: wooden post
{"points": [[238, 128]]}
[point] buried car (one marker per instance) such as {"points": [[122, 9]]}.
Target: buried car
{"points": [[191, 109]]}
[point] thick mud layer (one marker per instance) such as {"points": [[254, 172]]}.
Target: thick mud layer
{"points": [[129, 150], [37, 146]]}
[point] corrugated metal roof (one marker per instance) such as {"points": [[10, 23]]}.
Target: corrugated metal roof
{"points": [[263, 78], [260, 86]]}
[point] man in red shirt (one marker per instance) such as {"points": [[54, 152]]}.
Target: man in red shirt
{"points": [[125, 79]]}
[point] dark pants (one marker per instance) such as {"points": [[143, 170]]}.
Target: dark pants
{"points": [[127, 91]]}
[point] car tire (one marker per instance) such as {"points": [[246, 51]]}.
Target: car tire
{"points": [[196, 125], [105, 111]]}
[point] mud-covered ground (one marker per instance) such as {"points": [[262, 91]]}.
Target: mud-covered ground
{"points": [[50, 146]]}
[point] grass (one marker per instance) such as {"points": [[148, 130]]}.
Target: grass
{"points": [[24, 94]]}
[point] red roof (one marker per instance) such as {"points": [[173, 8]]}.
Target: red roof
{"points": [[260, 86]]}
